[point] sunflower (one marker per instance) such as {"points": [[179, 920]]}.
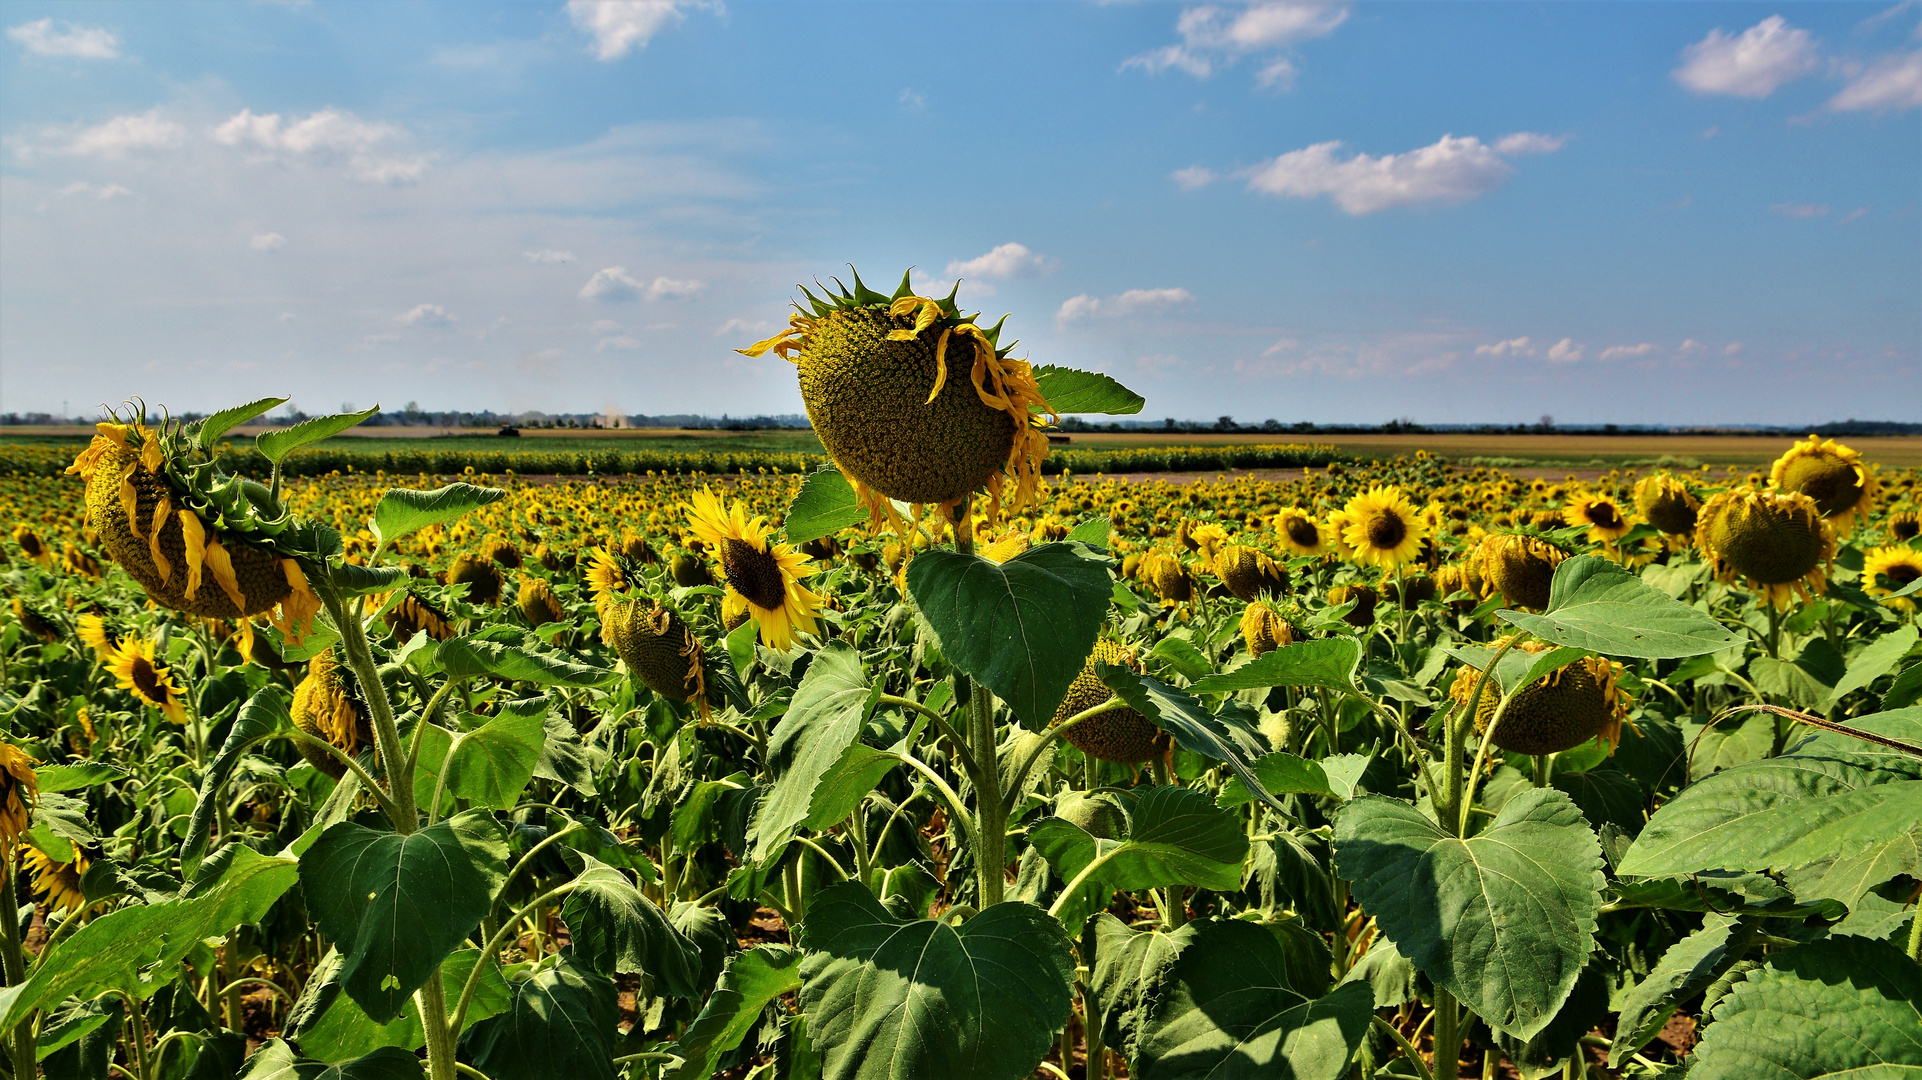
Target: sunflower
{"points": [[1668, 504], [1013, 543], [1557, 712], [1599, 514], [31, 543], [1383, 528], [94, 632], [1167, 577], [606, 576], [1831, 474], [1900, 565], [1247, 573], [57, 882], [538, 603], [1778, 541], [139, 672], [410, 615], [1299, 533], [764, 573], [1521, 568], [1904, 525], [1264, 628], [19, 789], [327, 707], [35, 623], [660, 650], [874, 377]]}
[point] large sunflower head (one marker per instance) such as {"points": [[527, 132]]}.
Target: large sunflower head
{"points": [[1364, 599], [140, 673], [19, 790], [1834, 476], [198, 540], [1521, 568], [1560, 711], [479, 574], [659, 649], [1299, 533], [1667, 503], [1599, 514], [1167, 577], [30, 542], [1777, 541], [327, 705], [1383, 528], [874, 372], [1247, 573], [57, 882], [1123, 735], [1899, 565], [764, 573]]}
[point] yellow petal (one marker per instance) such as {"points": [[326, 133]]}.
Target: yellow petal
{"points": [[150, 455], [223, 568], [195, 534], [130, 502], [940, 366], [926, 313], [160, 562]]}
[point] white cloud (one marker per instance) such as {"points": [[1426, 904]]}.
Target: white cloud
{"points": [[1853, 215], [605, 326], [622, 342], [1195, 176], [327, 134], [122, 135], [1004, 262], [1800, 210], [83, 42], [614, 285], [622, 26], [1529, 142], [1512, 347], [548, 257], [1752, 64], [1617, 352], [669, 289], [1690, 347], [1213, 36], [272, 241], [758, 328], [102, 192], [1564, 351], [912, 100], [1731, 348], [1452, 170], [1893, 82], [426, 315], [1132, 302]]}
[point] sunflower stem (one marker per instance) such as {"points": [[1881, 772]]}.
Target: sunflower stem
{"points": [[19, 1041], [1915, 933], [1448, 1040]]}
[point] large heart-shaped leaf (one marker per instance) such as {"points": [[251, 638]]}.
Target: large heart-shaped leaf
{"points": [[562, 1023], [277, 1061], [1839, 1007], [1226, 1007], [1129, 967], [328, 1026], [896, 999], [1328, 662], [753, 978], [1072, 391], [1597, 605], [1021, 628], [616, 929], [276, 445], [489, 765], [1832, 797], [1503, 920], [1176, 836], [138, 949], [398, 905], [825, 718], [513, 654], [403, 510], [825, 505], [1220, 736]]}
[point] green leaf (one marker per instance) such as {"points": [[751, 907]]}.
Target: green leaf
{"points": [[825, 718], [1843, 1006], [562, 1023], [276, 445], [1282, 773], [1906, 690], [888, 998], [332, 1028], [138, 949], [264, 714], [825, 505], [1070, 391], [1829, 797], [1328, 662], [846, 785], [1596, 605], [1198, 731], [1875, 661], [752, 979], [1021, 628], [490, 765], [1092, 532], [1685, 970], [513, 654], [1504, 920], [81, 774], [1176, 836], [403, 510], [740, 646], [1226, 1008], [209, 431], [1129, 967], [1182, 656], [398, 905], [277, 1061], [352, 579], [616, 929]]}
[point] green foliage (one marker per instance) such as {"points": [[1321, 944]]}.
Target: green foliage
{"points": [[1070, 391], [1596, 605], [1838, 1007], [826, 505], [402, 511]]}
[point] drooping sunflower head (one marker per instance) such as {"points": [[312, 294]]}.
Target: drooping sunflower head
{"points": [[764, 573], [1560, 711], [1383, 528], [1465, 577], [1247, 573], [328, 706], [1599, 514], [1123, 735], [1835, 477], [196, 539], [1364, 599], [79, 562], [538, 603], [1167, 577], [19, 790], [1898, 565], [875, 377], [1777, 541], [141, 673], [1904, 525], [1265, 628], [30, 542], [1667, 503], [1299, 533], [412, 614], [33, 622], [479, 574], [659, 649], [689, 570], [57, 882], [1521, 568]]}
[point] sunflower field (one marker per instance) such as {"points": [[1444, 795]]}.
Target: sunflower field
{"points": [[935, 762]]}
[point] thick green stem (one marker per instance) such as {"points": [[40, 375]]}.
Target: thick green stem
{"points": [[1091, 1028], [1448, 1039], [230, 974], [431, 999], [360, 657], [1452, 806], [1915, 933], [991, 828], [20, 1039], [1541, 770]]}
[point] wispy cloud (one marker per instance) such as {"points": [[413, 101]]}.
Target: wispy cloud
{"points": [[80, 42], [1215, 37], [614, 285], [271, 241], [426, 315], [1800, 210], [1004, 262], [1623, 352], [1752, 64], [324, 135], [620, 27], [1133, 302], [1893, 82], [1564, 351], [1520, 346], [1451, 170], [124, 135], [548, 257]]}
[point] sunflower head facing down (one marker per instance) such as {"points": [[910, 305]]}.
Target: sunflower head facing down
{"points": [[1834, 476], [19, 789], [141, 673], [878, 376], [764, 573], [57, 882], [1383, 528], [30, 542], [1599, 514], [1667, 503], [1777, 541], [1899, 565]]}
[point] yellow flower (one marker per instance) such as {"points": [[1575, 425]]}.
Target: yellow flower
{"points": [[765, 574], [1901, 565], [94, 632], [57, 882], [1299, 533], [1831, 474], [1599, 514], [146, 678], [1777, 541], [1383, 528], [19, 789], [31, 543]]}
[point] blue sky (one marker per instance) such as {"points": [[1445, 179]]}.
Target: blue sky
{"points": [[1641, 213]]}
